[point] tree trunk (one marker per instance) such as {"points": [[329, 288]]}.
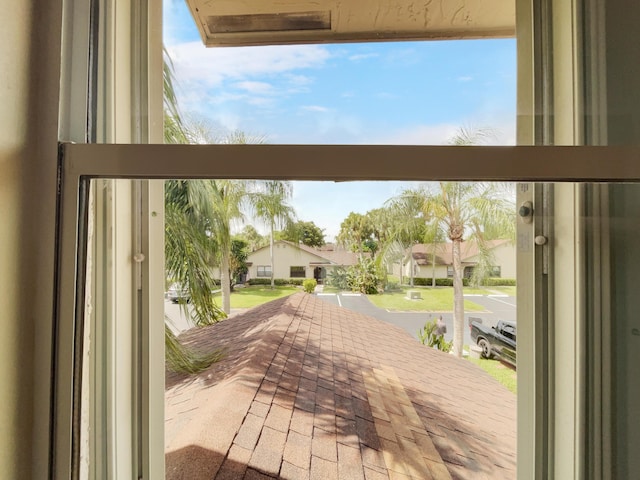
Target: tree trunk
{"points": [[458, 301], [433, 266], [271, 255], [411, 264], [225, 281]]}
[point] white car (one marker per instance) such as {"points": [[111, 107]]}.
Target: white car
{"points": [[178, 294]]}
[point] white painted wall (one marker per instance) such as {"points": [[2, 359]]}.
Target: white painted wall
{"points": [[29, 86]]}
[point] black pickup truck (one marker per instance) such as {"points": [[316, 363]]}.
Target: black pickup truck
{"points": [[499, 341]]}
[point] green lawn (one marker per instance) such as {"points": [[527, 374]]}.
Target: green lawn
{"points": [[478, 291], [511, 291], [249, 297], [439, 299], [504, 374]]}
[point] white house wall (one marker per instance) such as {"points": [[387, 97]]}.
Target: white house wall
{"points": [[504, 256], [284, 257], [426, 271]]}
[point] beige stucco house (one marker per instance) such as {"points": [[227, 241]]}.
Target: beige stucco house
{"points": [[503, 261], [292, 261]]}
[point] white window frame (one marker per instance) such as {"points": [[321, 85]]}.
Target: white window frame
{"points": [[81, 163]]}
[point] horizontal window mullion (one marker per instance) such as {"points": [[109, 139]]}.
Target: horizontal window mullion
{"points": [[355, 162]]}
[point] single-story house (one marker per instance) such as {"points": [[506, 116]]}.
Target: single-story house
{"points": [[291, 260], [503, 254]]}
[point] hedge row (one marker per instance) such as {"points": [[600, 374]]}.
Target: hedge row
{"points": [[418, 282], [280, 282], [440, 282], [448, 282], [499, 282]]}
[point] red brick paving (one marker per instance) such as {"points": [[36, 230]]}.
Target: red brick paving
{"points": [[309, 390]]}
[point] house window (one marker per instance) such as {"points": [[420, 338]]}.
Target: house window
{"points": [[297, 272], [449, 271], [264, 271]]}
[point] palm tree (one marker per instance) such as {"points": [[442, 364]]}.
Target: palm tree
{"points": [[271, 206], [480, 211], [408, 227], [188, 212], [189, 248], [462, 209], [227, 199]]}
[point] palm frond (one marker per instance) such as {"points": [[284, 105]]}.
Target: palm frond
{"points": [[181, 359]]}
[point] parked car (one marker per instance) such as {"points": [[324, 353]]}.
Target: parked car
{"points": [[178, 294], [498, 341]]}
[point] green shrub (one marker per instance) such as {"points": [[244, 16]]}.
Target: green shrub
{"points": [[499, 282], [428, 335], [338, 278], [364, 277], [392, 286], [309, 285], [280, 282], [440, 282]]}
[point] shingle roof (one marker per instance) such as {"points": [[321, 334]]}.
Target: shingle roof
{"points": [[330, 255], [469, 249], [315, 391]]}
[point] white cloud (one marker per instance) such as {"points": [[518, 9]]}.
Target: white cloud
{"points": [[314, 108], [465, 78], [253, 75], [363, 56], [260, 101], [441, 134], [420, 135], [209, 67], [254, 87], [299, 80]]}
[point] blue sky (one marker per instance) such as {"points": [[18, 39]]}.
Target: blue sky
{"points": [[383, 93]]}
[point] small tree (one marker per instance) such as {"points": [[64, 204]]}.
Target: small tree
{"points": [[432, 335], [364, 277], [356, 233]]}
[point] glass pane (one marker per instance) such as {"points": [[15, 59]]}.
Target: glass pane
{"points": [[245, 353], [343, 382], [412, 93]]}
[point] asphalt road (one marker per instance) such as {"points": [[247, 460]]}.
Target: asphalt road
{"points": [[176, 319], [498, 308]]}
